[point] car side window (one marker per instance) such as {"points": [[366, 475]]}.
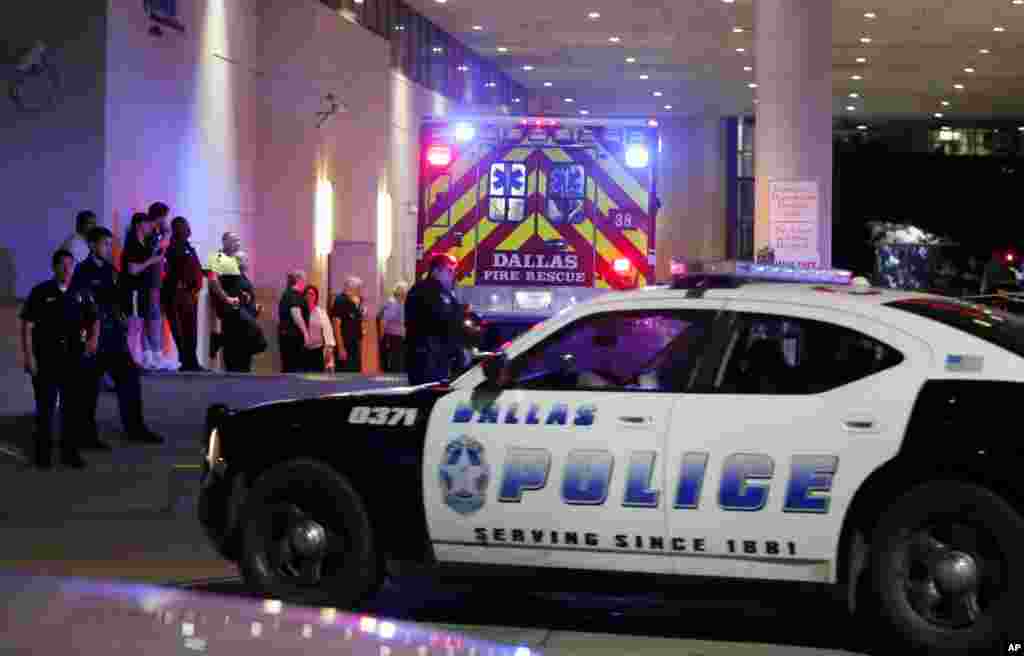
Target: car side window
{"points": [[646, 350], [769, 354]]}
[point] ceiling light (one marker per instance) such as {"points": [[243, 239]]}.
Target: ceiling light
{"points": [[968, 70], [748, 68], [998, 28], [438, 49], [463, 68], [491, 85], [870, 14], [502, 49], [440, 2], [584, 111], [515, 100], [737, 30], [547, 84], [645, 76], [478, 27], [594, 15], [862, 60], [984, 51], [946, 127], [741, 49], [658, 94], [958, 86], [938, 115], [865, 39], [862, 127], [668, 106], [569, 100], [614, 39], [856, 77], [728, 2], [752, 85], [1020, 129], [855, 95], [527, 68], [630, 60], [1018, 2], [945, 103], [850, 108]]}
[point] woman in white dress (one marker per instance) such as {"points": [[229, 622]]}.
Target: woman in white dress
{"points": [[319, 355]]}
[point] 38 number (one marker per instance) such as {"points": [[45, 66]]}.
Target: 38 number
{"points": [[623, 220], [380, 416]]}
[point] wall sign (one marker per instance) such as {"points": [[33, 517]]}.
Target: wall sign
{"points": [[793, 218]]}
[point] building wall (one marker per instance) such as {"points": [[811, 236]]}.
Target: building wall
{"points": [[52, 160]]}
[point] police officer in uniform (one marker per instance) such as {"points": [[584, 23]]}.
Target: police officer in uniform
{"points": [[433, 320], [59, 330], [97, 276]]}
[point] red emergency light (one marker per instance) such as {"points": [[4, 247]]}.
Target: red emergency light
{"points": [[540, 122], [1010, 257], [621, 265], [439, 155]]}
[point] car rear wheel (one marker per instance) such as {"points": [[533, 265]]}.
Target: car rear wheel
{"points": [[307, 537], [944, 566]]}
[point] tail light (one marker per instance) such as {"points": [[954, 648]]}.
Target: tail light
{"points": [[439, 155], [621, 265]]}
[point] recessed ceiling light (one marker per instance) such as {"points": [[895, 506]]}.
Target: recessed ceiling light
{"points": [[668, 106], [945, 103], [614, 39], [547, 84], [594, 15], [438, 49], [748, 68], [1018, 2], [728, 2], [658, 94], [968, 70], [870, 14], [477, 28], [440, 2], [527, 68], [984, 51], [862, 60], [741, 49], [584, 111], [569, 100], [998, 28], [862, 127], [752, 85], [737, 30], [855, 95], [850, 108], [865, 39], [630, 60], [515, 100], [645, 76], [463, 68], [491, 84], [958, 86], [938, 114], [856, 77], [502, 49]]}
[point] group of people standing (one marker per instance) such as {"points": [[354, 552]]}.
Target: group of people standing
{"points": [[312, 339]]}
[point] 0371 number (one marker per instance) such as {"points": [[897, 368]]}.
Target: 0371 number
{"points": [[382, 416]]}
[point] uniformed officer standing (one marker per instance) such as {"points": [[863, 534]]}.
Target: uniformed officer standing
{"points": [[59, 330], [97, 276], [433, 324]]}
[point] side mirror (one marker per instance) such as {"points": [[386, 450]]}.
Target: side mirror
{"points": [[494, 365]]}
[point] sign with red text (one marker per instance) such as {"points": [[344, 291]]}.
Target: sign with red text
{"points": [[793, 218]]}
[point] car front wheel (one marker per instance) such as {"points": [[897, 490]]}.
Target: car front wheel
{"points": [[945, 566], [307, 537]]}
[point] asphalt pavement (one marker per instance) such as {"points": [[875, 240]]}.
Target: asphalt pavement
{"points": [[131, 516]]}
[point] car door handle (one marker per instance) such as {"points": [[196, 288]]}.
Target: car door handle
{"points": [[636, 420], [861, 425]]}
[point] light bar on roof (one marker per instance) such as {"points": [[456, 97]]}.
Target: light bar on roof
{"points": [[762, 272]]}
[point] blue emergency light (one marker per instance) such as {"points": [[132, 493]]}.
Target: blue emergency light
{"points": [[732, 273]]}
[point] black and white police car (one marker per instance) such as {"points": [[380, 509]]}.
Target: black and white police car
{"points": [[722, 426]]}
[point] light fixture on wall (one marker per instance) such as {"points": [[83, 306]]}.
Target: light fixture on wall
{"points": [[323, 217]]}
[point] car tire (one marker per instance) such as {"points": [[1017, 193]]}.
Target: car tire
{"points": [[927, 548], [292, 499]]}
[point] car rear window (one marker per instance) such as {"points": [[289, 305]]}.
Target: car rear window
{"points": [[994, 326]]}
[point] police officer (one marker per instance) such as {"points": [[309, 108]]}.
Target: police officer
{"points": [[59, 329], [433, 320], [96, 275]]}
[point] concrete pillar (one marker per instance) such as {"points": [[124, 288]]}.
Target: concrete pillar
{"points": [[793, 65], [691, 185]]}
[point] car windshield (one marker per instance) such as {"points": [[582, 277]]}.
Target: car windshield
{"points": [[994, 326]]}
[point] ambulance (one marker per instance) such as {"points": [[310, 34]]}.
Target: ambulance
{"points": [[540, 212]]}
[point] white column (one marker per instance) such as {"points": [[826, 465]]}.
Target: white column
{"points": [[793, 134]]}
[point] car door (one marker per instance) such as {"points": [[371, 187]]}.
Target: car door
{"points": [[564, 466], [768, 452]]}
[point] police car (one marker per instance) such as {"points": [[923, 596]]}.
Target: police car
{"points": [[726, 425]]}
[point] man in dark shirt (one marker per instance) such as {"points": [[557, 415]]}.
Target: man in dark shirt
{"points": [[180, 295], [293, 323], [347, 315], [433, 320], [59, 329], [97, 276]]}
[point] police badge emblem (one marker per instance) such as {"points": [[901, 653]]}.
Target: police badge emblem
{"points": [[464, 475]]}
